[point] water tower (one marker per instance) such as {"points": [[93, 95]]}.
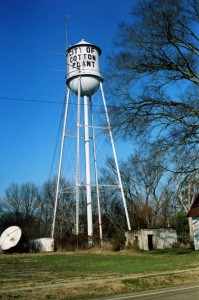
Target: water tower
{"points": [[84, 79]]}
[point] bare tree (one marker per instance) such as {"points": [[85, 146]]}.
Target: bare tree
{"points": [[12, 201], [154, 77], [29, 199], [20, 207], [45, 213], [147, 189], [65, 217], [150, 184]]}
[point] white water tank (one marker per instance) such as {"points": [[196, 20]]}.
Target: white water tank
{"points": [[83, 66], [43, 244]]}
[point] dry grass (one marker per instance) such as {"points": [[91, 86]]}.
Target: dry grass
{"points": [[100, 289]]}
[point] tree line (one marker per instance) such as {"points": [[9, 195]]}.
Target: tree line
{"points": [[154, 198]]}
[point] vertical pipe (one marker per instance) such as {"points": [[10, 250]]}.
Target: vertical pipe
{"points": [[78, 157], [88, 176], [60, 163], [115, 157], [96, 173]]}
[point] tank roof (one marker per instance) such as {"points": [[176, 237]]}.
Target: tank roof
{"points": [[84, 43]]}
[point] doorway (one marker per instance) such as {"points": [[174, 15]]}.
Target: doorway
{"points": [[150, 241]]}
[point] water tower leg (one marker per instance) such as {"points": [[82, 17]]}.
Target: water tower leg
{"points": [[88, 176], [78, 160], [60, 164], [115, 158], [96, 173]]}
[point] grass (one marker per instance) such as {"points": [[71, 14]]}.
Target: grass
{"points": [[29, 270]]}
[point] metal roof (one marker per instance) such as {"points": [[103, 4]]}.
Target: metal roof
{"points": [[194, 210]]}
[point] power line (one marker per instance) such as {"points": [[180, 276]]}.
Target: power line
{"points": [[31, 100], [44, 101]]}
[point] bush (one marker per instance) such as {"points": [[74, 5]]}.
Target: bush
{"points": [[118, 242]]}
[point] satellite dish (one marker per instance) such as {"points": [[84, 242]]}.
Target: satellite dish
{"points": [[10, 237]]}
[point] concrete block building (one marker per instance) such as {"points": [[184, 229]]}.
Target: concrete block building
{"points": [[149, 239]]}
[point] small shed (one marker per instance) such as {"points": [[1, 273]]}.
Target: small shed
{"points": [[149, 239], [194, 214]]}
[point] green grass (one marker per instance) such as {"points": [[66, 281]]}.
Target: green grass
{"points": [[19, 270], [82, 264]]}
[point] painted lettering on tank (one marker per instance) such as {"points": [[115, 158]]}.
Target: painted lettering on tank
{"points": [[82, 57]]}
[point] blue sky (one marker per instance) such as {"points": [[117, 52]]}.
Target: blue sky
{"points": [[30, 30]]}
